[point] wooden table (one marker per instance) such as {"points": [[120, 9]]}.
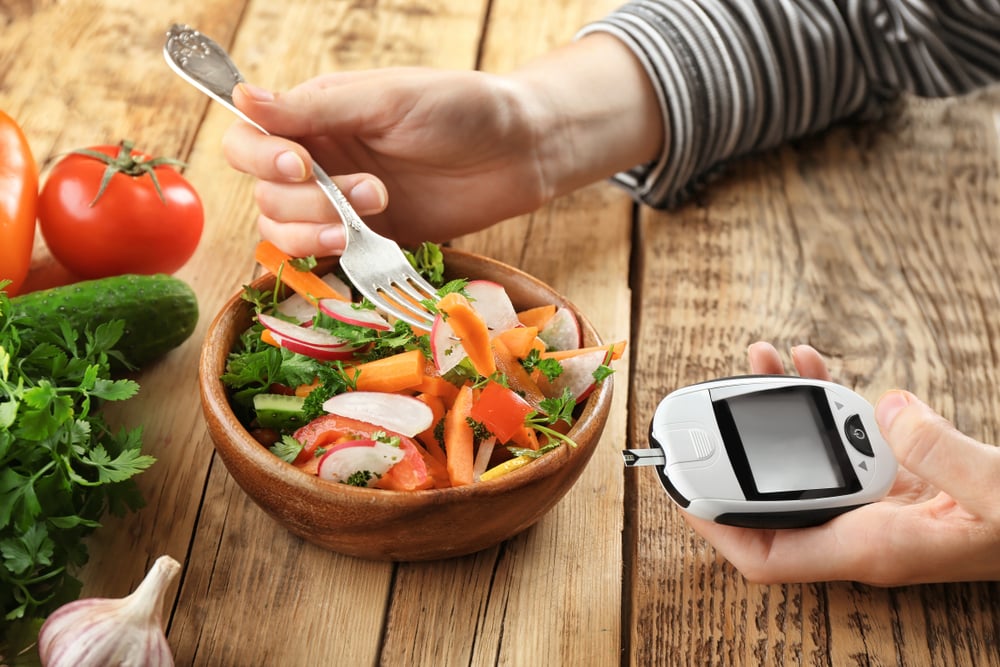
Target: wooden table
{"points": [[878, 245]]}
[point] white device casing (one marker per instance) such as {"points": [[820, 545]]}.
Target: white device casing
{"points": [[698, 469]]}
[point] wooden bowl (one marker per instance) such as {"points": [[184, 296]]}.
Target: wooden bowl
{"points": [[397, 525]]}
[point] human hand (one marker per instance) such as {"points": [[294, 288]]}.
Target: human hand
{"points": [[429, 155], [940, 521], [457, 151]]}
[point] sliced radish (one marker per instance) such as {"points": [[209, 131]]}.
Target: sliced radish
{"points": [[342, 461], [491, 301], [577, 375], [446, 348], [294, 332], [397, 413], [359, 317], [562, 332], [298, 308], [483, 455], [340, 353], [338, 285]]}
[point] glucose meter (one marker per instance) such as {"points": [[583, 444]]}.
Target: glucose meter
{"points": [[768, 451]]}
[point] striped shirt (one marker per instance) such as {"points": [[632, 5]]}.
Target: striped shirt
{"points": [[737, 76]]}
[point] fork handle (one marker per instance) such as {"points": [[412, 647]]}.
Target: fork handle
{"points": [[352, 221]]}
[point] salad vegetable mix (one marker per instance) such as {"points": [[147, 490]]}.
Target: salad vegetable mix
{"points": [[335, 388]]}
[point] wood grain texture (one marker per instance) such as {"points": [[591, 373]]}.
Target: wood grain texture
{"points": [[875, 245]]}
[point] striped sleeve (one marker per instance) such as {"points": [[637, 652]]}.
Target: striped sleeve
{"points": [[736, 76]]}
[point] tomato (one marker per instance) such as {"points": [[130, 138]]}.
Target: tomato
{"points": [[18, 195], [109, 210], [407, 475]]}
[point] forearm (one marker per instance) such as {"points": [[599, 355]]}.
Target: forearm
{"points": [[736, 76], [595, 110]]}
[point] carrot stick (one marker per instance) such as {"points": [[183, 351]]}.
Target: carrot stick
{"points": [[304, 390], [396, 373], [459, 439], [519, 340], [616, 350], [266, 337], [471, 329], [537, 317], [427, 437], [435, 385], [305, 283], [517, 378]]}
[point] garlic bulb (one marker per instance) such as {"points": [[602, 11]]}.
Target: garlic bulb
{"points": [[126, 632]]}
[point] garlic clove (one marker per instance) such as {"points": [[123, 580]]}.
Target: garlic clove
{"points": [[106, 632]]}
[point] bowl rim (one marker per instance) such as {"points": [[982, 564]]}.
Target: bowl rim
{"points": [[215, 404]]}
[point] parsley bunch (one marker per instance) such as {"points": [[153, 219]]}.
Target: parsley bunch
{"points": [[61, 466]]}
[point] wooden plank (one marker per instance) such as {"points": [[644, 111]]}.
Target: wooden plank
{"points": [[874, 245], [551, 595]]}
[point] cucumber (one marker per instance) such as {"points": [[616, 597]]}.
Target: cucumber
{"points": [[160, 312], [280, 412]]}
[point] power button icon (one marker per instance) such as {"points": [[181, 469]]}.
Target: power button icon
{"points": [[857, 435]]}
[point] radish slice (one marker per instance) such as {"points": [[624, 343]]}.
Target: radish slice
{"points": [[359, 317], [338, 285], [397, 413], [483, 455], [493, 304], [562, 332], [341, 353], [342, 461], [297, 308], [446, 348], [577, 375], [294, 332]]}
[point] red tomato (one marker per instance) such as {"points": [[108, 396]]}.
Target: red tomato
{"points": [[109, 210], [18, 194], [409, 474]]}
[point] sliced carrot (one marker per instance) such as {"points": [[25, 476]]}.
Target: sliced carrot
{"points": [[459, 439], [471, 329], [520, 340], [517, 378], [304, 390], [436, 385], [537, 317], [305, 283], [616, 350], [267, 337], [525, 437], [427, 438], [396, 373]]}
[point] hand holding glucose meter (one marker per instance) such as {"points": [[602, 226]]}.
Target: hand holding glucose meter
{"points": [[767, 451]]}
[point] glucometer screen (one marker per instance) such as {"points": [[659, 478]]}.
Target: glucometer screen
{"points": [[784, 443]]}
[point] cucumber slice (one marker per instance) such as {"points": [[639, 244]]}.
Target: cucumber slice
{"points": [[280, 412]]}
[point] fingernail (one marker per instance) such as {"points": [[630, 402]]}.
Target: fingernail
{"points": [[291, 166], [368, 195], [889, 407], [332, 237], [257, 93]]}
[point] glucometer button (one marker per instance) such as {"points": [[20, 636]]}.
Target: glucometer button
{"points": [[857, 435], [690, 444]]}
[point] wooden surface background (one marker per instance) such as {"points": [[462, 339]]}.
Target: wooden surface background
{"points": [[878, 245]]}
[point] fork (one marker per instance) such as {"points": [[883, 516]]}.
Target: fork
{"points": [[375, 264]]}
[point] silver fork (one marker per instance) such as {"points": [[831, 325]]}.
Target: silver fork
{"points": [[376, 265]]}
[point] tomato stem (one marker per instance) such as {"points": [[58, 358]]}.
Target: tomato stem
{"points": [[126, 163]]}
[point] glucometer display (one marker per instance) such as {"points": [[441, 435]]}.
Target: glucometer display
{"points": [[784, 442]]}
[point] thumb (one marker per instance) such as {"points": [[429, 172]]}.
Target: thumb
{"points": [[301, 112], [927, 444]]}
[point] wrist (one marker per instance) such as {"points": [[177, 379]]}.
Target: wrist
{"points": [[594, 110]]}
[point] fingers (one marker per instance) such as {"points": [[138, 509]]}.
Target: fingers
{"points": [[317, 106], [764, 359], [267, 157], [927, 445], [302, 239], [809, 363]]}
